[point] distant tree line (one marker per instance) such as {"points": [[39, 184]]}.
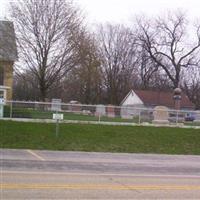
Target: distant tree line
{"points": [[61, 58]]}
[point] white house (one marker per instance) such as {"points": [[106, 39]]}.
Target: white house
{"points": [[137, 99], [130, 105]]}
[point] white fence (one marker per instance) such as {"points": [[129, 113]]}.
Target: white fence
{"points": [[98, 113]]}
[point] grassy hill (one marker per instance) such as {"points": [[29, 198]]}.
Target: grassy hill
{"points": [[99, 138]]}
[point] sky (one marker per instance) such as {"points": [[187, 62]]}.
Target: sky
{"points": [[123, 11]]}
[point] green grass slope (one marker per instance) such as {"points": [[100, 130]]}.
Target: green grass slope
{"points": [[99, 138]]}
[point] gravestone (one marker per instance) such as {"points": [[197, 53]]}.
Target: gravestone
{"points": [[100, 110], [126, 112], [110, 110], [56, 104], [74, 106], [161, 115], [197, 116]]}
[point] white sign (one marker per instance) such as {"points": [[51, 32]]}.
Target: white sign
{"points": [[56, 105], [2, 102], [58, 116]]}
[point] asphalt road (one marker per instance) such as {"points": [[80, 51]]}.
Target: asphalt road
{"points": [[28, 174]]}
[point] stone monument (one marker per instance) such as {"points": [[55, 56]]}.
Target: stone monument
{"points": [[75, 106], [177, 98], [126, 112], [100, 110], [161, 115], [110, 109], [197, 116]]}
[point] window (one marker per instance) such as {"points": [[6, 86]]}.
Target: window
{"points": [[1, 75]]}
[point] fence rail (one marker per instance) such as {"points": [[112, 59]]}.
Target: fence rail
{"points": [[100, 113]]}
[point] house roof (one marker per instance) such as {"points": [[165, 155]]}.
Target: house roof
{"points": [[131, 98], [8, 48], [154, 98]]}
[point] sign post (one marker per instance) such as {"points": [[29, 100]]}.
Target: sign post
{"points": [[2, 102], [57, 117]]}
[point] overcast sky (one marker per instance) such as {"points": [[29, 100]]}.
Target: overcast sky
{"points": [[122, 11]]}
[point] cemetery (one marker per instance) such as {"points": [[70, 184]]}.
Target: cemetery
{"points": [[134, 125], [144, 122], [160, 115], [138, 106]]}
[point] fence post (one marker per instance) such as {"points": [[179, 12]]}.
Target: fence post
{"points": [[139, 117], [57, 127], [99, 117], [11, 109], [177, 117]]}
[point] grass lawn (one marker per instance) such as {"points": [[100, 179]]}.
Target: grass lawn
{"points": [[99, 138]]}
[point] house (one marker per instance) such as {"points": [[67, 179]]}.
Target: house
{"points": [[8, 55], [149, 99]]}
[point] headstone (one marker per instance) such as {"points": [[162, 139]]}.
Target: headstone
{"points": [[56, 104], [126, 112], [110, 109], [197, 116], [86, 112], [100, 110], [75, 107], [161, 115]]}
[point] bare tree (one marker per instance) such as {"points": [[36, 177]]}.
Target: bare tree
{"points": [[166, 41], [146, 68], [44, 31], [25, 87], [191, 85], [85, 79], [118, 60]]}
